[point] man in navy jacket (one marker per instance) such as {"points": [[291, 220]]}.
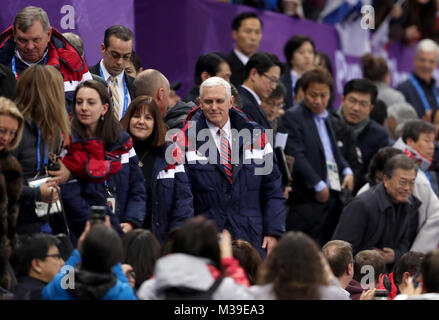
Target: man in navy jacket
{"points": [[232, 169]]}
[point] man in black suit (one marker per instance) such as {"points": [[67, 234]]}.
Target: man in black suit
{"points": [[116, 50], [262, 74], [247, 33], [320, 171]]}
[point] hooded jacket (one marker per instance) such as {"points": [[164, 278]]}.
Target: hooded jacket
{"points": [[88, 285], [183, 270]]}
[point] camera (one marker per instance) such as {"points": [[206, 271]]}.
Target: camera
{"points": [[381, 294], [53, 166], [97, 214]]}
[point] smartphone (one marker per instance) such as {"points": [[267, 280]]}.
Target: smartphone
{"points": [[381, 294], [97, 214]]}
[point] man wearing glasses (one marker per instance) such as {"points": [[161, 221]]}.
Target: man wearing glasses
{"points": [[262, 73], [359, 97], [116, 50], [36, 262]]}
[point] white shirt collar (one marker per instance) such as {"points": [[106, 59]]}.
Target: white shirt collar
{"points": [[294, 75], [17, 53], [244, 59], [258, 100], [214, 129], [107, 75]]}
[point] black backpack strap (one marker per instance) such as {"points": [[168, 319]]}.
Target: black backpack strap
{"points": [[213, 287], [184, 293]]}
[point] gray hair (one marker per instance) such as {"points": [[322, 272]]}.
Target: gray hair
{"points": [[401, 112], [214, 82], [75, 41], [25, 18], [427, 45]]}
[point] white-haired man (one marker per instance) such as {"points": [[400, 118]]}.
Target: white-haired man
{"points": [[232, 170], [420, 88]]}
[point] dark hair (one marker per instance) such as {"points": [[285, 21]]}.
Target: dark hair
{"points": [[363, 85], [134, 58], [30, 247], [374, 68], [236, 23], [108, 129], [316, 75], [379, 111], [368, 258], [120, 32], [141, 250], [412, 129], [138, 105], [248, 258], [208, 62], [379, 160], [279, 92], [101, 249], [237, 98], [400, 161], [430, 271], [262, 62], [198, 237], [293, 44], [295, 268], [324, 57], [338, 253], [299, 84], [409, 262]]}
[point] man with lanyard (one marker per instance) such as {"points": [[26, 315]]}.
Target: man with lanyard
{"points": [[31, 40], [116, 50], [420, 89]]}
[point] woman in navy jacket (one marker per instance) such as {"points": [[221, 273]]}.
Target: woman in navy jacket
{"points": [[105, 166], [169, 197]]}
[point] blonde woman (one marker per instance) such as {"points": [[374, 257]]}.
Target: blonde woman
{"points": [[41, 100]]}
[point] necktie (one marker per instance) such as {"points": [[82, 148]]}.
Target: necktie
{"points": [[225, 155], [115, 96]]}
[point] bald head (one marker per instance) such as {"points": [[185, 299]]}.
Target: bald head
{"points": [[153, 83]]}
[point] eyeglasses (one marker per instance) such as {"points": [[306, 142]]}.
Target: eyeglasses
{"points": [[11, 133], [272, 80], [54, 255], [362, 103], [116, 56]]}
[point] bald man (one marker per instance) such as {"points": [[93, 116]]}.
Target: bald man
{"points": [[153, 83]]}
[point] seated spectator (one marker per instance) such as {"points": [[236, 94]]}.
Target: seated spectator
{"points": [[428, 289], [141, 251], [36, 261], [380, 218], [199, 267], [379, 113], [248, 258], [338, 253], [104, 164], [134, 65], [208, 65], [7, 83], [272, 105], [299, 53], [98, 273], [173, 95], [377, 70], [359, 98], [168, 193], [418, 142], [424, 233], [408, 268], [397, 115], [369, 268], [296, 270]]}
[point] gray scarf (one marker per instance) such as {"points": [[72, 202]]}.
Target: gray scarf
{"points": [[359, 127]]}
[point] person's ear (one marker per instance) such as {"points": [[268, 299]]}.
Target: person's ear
{"points": [[410, 142], [102, 48], [234, 34], [36, 266], [350, 269], [204, 76], [253, 73], [49, 34], [106, 106], [232, 100], [160, 94]]}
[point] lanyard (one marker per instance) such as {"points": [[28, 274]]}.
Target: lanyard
{"points": [[14, 68], [421, 93], [46, 157], [125, 91]]}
